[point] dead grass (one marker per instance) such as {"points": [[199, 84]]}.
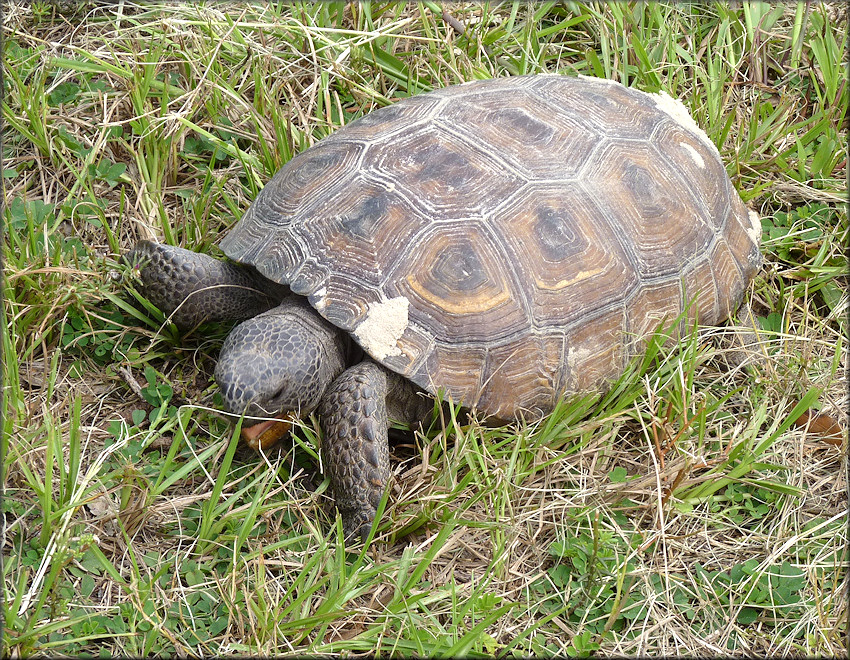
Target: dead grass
{"points": [[589, 537]]}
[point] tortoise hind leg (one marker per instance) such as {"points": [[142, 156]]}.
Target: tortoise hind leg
{"points": [[192, 288]]}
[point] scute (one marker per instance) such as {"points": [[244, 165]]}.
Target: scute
{"points": [[507, 241], [537, 140], [573, 263], [446, 175], [647, 199]]}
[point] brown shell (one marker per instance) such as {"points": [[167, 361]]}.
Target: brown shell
{"points": [[508, 241]]}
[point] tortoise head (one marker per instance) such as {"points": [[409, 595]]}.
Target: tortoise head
{"points": [[279, 363]]}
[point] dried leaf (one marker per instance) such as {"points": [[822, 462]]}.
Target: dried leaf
{"points": [[823, 425]]}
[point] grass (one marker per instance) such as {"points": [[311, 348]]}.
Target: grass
{"points": [[688, 511]]}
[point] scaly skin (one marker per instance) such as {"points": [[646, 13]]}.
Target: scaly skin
{"points": [[355, 447], [286, 360], [192, 288], [355, 413], [280, 361]]}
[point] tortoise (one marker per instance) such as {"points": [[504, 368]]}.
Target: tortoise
{"points": [[506, 242]]}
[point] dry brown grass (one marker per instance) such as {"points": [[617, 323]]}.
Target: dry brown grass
{"points": [[488, 507]]}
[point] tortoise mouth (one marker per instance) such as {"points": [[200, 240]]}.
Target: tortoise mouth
{"points": [[268, 433]]}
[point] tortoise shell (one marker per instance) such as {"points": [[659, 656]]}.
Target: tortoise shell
{"points": [[508, 241]]}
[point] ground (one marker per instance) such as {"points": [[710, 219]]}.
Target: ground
{"points": [[699, 508]]}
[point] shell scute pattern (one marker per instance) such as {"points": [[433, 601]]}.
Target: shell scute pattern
{"points": [[536, 139], [641, 195], [448, 176], [391, 120], [654, 302], [536, 228], [709, 188], [601, 107], [571, 266], [456, 279], [366, 222]]}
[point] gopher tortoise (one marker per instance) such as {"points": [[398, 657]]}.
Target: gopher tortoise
{"points": [[505, 242]]}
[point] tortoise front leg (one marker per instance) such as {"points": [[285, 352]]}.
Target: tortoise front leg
{"points": [[355, 450], [355, 413], [191, 288]]}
